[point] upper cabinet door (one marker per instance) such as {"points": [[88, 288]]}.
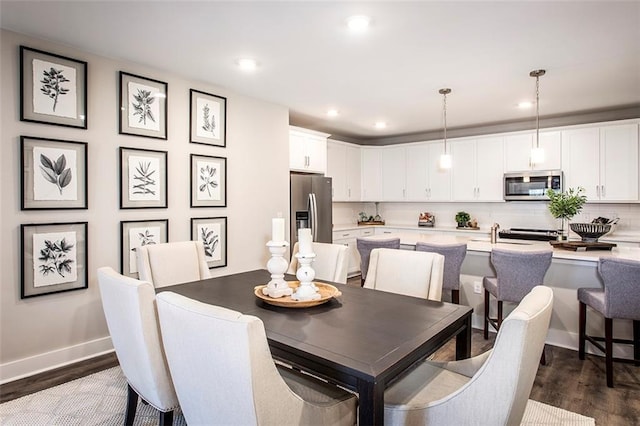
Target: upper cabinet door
{"points": [[463, 170], [393, 174], [489, 172], [417, 172], [619, 163], [517, 151], [307, 150], [581, 160], [337, 170], [439, 179], [353, 173], [371, 176]]}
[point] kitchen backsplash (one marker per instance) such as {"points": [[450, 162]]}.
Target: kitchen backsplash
{"points": [[514, 214]]}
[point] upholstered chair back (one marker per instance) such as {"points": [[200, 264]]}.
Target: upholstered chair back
{"points": [[412, 273], [130, 310], [621, 278], [454, 255], [365, 246], [172, 263], [330, 264], [517, 272]]}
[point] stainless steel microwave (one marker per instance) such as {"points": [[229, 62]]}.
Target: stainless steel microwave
{"points": [[531, 185]]}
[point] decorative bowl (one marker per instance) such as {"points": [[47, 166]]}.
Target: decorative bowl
{"points": [[590, 232]]}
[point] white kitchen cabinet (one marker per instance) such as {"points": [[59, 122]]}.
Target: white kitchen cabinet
{"points": [[371, 176], [603, 160], [517, 151], [477, 169], [348, 238], [307, 150], [343, 166], [394, 178]]}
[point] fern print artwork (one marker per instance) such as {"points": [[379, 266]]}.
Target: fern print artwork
{"points": [[54, 89], [208, 180], [139, 237], [54, 258], [143, 178], [144, 107], [208, 119], [55, 172], [209, 234]]}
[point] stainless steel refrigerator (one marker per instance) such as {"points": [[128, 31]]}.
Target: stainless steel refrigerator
{"points": [[311, 207]]}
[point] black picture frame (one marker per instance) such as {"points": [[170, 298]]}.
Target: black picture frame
{"points": [[143, 178], [53, 258], [212, 231], [208, 181], [207, 118], [150, 119], [53, 89], [53, 174], [134, 233]]}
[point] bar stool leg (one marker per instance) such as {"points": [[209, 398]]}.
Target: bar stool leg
{"points": [[636, 341], [582, 329], [486, 314], [499, 322], [455, 296], [608, 340]]}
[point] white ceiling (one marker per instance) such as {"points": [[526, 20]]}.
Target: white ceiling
{"points": [[309, 62]]}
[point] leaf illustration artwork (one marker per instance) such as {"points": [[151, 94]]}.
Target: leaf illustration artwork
{"points": [[144, 109], [54, 89], [57, 177], [209, 123], [138, 237], [209, 234], [143, 178], [208, 180], [207, 119], [54, 258]]}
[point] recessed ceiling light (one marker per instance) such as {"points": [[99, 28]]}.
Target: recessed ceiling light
{"points": [[525, 104], [247, 64], [380, 125], [332, 113], [358, 23]]}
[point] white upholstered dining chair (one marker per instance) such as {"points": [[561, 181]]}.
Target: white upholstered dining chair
{"points": [[224, 374], [172, 263], [489, 389], [412, 273], [130, 309], [330, 264]]}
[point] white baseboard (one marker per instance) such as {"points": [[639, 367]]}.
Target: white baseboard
{"points": [[29, 366]]}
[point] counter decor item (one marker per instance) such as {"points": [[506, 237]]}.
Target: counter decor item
{"points": [[590, 232], [426, 219], [565, 205], [326, 292], [462, 219], [363, 219], [277, 264]]}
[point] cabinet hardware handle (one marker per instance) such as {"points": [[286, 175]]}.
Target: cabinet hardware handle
{"points": [[598, 191], [349, 192], [604, 194], [345, 235]]}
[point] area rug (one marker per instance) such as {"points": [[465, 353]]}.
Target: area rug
{"points": [[100, 399]]}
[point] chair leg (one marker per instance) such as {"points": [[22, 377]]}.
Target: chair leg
{"points": [[132, 404], [455, 296], [361, 281], [543, 358], [499, 322], [636, 341], [166, 418], [608, 340], [582, 330], [486, 314]]}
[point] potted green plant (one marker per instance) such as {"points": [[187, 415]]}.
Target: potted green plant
{"points": [[462, 218], [565, 205]]}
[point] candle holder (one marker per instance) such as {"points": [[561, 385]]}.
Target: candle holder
{"points": [[305, 274], [277, 266]]}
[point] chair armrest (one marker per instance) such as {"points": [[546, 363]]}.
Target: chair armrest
{"points": [[467, 367]]}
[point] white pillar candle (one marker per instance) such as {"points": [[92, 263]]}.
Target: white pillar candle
{"points": [[277, 229], [304, 241]]}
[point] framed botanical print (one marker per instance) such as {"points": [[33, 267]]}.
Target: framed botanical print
{"points": [[212, 231], [208, 181], [143, 178], [53, 175], [53, 89], [208, 118], [143, 106], [53, 258], [138, 233]]}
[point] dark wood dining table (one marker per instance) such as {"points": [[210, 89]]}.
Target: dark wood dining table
{"points": [[363, 339]]}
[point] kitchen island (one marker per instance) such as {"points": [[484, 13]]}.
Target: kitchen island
{"points": [[569, 271]]}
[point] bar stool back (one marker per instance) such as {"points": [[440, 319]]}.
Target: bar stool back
{"points": [[454, 255], [620, 299]]}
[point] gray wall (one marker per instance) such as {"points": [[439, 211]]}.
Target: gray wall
{"points": [[50, 330]]}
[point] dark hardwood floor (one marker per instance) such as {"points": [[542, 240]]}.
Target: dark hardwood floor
{"points": [[565, 381]]}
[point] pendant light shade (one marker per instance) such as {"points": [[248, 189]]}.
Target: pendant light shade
{"points": [[537, 153], [445, 158]]}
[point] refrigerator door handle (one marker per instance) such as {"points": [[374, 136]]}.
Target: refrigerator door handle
{"points": [[313, 213]]}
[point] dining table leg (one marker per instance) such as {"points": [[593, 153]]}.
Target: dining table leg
{"points": [[463, 341], [370, 403]]}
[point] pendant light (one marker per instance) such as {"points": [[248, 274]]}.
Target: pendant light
{"points": [[537, 153], [445, 158]]}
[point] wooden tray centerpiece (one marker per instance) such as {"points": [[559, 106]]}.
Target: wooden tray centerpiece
{"points": [[327, 292]]}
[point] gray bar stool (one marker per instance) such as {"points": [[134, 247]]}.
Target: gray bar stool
{"points": [[620, 299], [454, 255], [517, 272], [365, 246]]}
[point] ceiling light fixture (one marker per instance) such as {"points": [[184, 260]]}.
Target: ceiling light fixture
{"points": [[445, 158], [247, 64], [332, 113], [525, 104], [358, 23], [380, 125], [537, 153]]}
